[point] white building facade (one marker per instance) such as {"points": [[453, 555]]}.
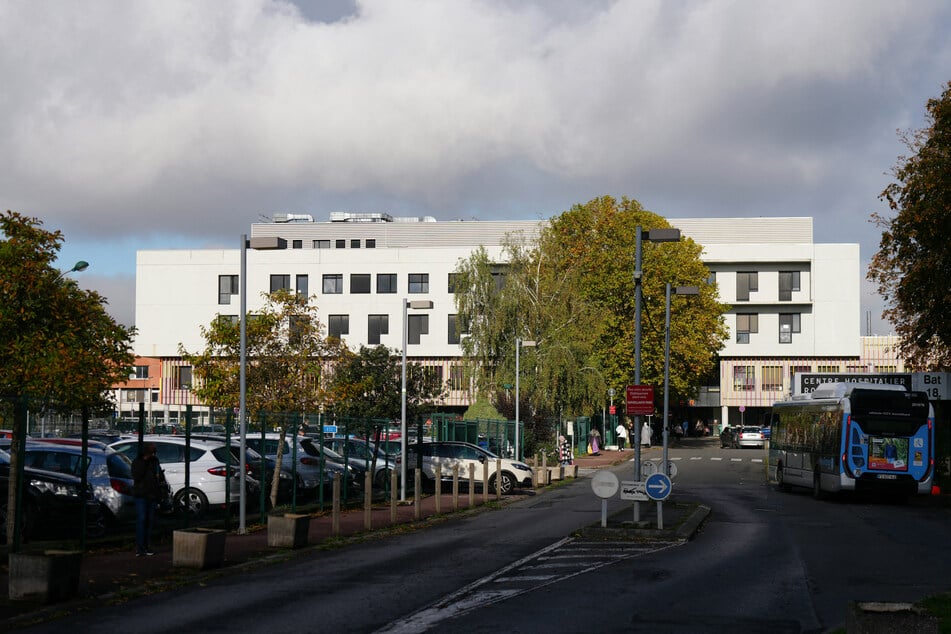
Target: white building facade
{"points": [[795, 303]]}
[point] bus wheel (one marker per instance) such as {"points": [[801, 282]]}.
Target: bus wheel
{"points": [[817, 492], [781, 479]]}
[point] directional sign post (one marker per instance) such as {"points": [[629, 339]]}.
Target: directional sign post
{"points": [[658, 488]]}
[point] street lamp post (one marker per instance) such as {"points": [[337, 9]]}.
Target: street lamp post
{"points": [[260, 244], [415, 305], [654, 235], [680, 290], [518, 347]]}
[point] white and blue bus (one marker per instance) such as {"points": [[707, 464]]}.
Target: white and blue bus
{"points": [[853, 437]]}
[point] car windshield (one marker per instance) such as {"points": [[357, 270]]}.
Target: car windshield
{"points": [[751, 430]]}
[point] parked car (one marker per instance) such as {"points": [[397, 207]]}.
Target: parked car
{"points": [[312, 472], [447, 454], [750, 437], [108, 472], [207, 466], [254, 461], [368, 455], [51, 502], [728, 437]]}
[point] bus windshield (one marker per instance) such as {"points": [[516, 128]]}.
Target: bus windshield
{"points": [[889, 413]]}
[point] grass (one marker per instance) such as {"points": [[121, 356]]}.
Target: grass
{"points": [[939, 606]]}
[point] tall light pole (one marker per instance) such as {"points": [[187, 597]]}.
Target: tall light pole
{"points": [[518, 347], [262, 244], [79, 267], [654, 235], [416, 305]]}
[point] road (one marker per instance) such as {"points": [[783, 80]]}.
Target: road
{"points": [[764, 561]]}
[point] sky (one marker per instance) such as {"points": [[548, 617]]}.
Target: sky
{"points": [[177, 124]]}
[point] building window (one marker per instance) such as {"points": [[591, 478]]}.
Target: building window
{"points": [[227, 320], [280, 283], [182, 377], [499, 278], [296, 328], [454, 331], [340, 244], [419, 282], [303, 286], [788, 282], [321, 244], [827, 368], [370, 243], [333, 283], [227, 286], [141, 371], [297, 244], [856, 369], [885, 369], [433, 373], [746, 281], [457, 377], [801, 369], [377, 325], [338, 325], [772, 378], [746, 323], [354, 244], [417, 325], [386, 282], [788, 325], [744, 378], [360, 283], [712, 278], [453, 280]]}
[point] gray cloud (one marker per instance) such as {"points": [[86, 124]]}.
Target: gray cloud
{"points": [[173, 117]]}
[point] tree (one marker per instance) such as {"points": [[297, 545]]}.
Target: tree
{"points": [[912, 264], [370, 382], [288, 363], [572, 292], [59, 348]]}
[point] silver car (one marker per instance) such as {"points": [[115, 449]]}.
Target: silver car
{"points": [[108, 472], [750, 437]]}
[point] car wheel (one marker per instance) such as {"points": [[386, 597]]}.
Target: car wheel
{"points": [[382, 479], [506, 484], [781, 479], [191, 501]]}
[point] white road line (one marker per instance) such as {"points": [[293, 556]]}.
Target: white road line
{"points": [[756, 460], [736, 460], [696, 457], [716, 459]]}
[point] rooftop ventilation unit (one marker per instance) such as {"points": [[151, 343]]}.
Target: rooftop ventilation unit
{"points": [[292, 218]]}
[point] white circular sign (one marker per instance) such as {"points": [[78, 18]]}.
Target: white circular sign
{"points": [[605, 484]]}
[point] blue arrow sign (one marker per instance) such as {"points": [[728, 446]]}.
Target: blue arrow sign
{"points": [[658, 486]]}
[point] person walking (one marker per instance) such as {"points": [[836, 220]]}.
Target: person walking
{"points": [[646, 435], [146, 489], [621, 435], [594, 438], [565, 455]]}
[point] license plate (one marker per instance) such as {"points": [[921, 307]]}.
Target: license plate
{"points": [[887, 476]]}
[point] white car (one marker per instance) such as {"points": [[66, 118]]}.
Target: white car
{"points": [[207, 467], [447, 454], [750, 437]]}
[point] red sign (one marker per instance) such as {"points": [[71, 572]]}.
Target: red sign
{"points": [[612, 410], [640, 400]]}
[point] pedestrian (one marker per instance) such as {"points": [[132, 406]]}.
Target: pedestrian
{"points": [[147, 481], [565, 455], [646, 435], [686, 427], [621, 435], [595, 438]]}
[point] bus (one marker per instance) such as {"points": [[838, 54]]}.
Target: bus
{"points": [[853, 437]]}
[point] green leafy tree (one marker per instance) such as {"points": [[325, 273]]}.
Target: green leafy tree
{"points": [[914, 257], [59, 348], [369, 384], [288, 364], [571, 291]]}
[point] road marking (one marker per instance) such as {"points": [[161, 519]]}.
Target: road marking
{"points": [[511, 580], [716, 459]]}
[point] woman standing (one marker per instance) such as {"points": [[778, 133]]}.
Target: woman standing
{"points": [[146, 488]]}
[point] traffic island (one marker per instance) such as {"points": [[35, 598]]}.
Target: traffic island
{"points": [[879, 617]]}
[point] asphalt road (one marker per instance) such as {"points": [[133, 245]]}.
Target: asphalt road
{"points": [[763, 562]]}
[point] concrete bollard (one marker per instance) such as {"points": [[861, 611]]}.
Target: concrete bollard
{"points": [[335, 512], [418, 488], [393, 487], [471, 485], [485, 482], [437, 489], [368, 501], [455, 487], [498, 479]]}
